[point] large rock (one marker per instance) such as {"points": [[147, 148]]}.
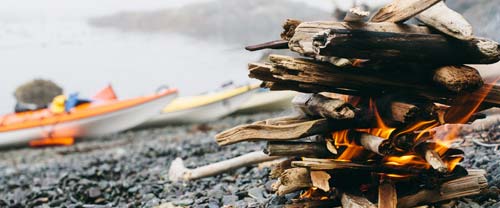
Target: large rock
{"points": [[39, 92]]}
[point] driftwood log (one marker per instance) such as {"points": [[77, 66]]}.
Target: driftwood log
{"points": [[302, 37], [287, 73], [342, 39], [447, 21], [401, 10], [409, 47]]}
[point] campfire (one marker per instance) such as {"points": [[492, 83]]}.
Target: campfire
{"points": [[377, 96]]}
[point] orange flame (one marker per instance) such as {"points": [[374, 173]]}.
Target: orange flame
{"points": [[314, 193], [407, 160], [461, 111]]}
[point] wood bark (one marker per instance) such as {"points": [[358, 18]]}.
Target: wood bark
{"points": [[458, 78], [447, 21], [289, 28], [273, 132], [298, 149], [409, 47], [294, 179], [466, 186], [401, 10], [356, 15], [316, 105], [351, 201]]}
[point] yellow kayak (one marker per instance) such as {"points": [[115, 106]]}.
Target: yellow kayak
{"points": [[203, 108]]}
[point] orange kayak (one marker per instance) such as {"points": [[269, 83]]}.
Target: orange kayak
{"points": [[85, 120]]}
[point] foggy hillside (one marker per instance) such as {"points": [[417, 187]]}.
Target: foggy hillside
{"points": [[222, 20]]}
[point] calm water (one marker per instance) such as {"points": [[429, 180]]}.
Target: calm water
{"points": [[51, 39]]}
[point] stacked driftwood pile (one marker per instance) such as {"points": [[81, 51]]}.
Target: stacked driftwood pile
{"points": [[377, 89]]}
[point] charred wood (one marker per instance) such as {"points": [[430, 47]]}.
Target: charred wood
{"points": [[297, 149]]}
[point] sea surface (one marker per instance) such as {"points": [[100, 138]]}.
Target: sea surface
{"points": [[52, 39]]}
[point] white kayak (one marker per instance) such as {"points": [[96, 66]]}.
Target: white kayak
{"points": [[268, 101], [203, 108], [86, 120]]}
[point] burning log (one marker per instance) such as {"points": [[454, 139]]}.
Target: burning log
{"points": [[297, 149], [178, 172], [447, 21], [387, 196], [294, 179], [411, 47], [433, 158], [399, 11], [470, 185], [351, 201], [261, 131]]}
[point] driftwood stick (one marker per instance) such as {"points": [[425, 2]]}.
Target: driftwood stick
{"points": [[351, 201], [401, 10], [297, 149], [294, 179], [178, 172], [277, 44], [331, 164], [447, 21], [387, 196], [466, 186], [273, 132]]}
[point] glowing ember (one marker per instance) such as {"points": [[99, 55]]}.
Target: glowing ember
{"points": [[314, 194]]}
